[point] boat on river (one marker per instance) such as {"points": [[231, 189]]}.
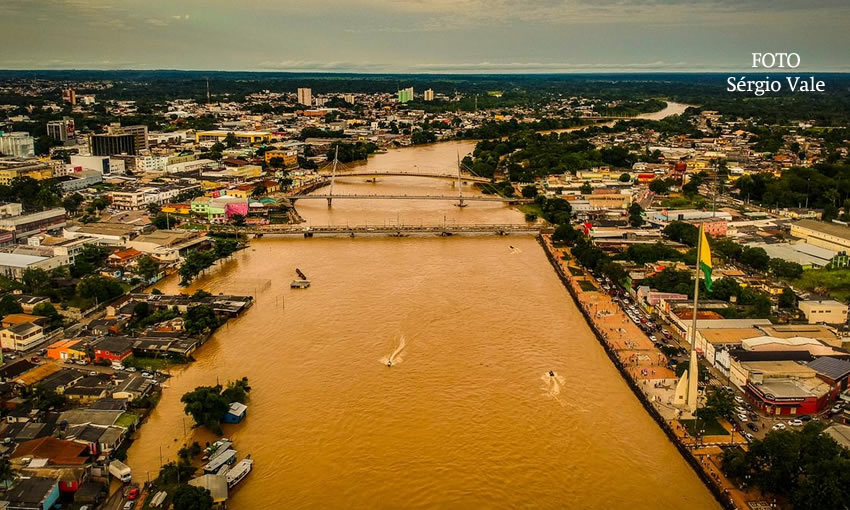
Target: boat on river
{"points": [[300, 284], [217, 447], [238, 472], [225, 458]]}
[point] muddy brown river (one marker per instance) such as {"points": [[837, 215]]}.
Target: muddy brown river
{"points": [[466, 417]]}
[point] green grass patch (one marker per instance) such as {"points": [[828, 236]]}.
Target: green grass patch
{"points": [[127, 420], [532, 208], [586, 286], [161, 364], [711, 428], [576, 271], [835, 283], [683, 202]]}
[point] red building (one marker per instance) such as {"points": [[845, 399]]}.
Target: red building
{"points": [[113, 348], [788, 397]]}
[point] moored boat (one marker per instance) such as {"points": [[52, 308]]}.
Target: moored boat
{"points": [[238, 472]]}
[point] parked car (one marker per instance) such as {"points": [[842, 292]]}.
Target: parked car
{"points": [[129, 505], [779, 426], [743, 418], [753, 427], [795, 422], [130, 369], [35, 359], [806, 418], [92, 373], [837, 408], [749, 436]]}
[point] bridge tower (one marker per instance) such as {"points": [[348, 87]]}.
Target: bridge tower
{"points": [[333, 177], [459, 185]]}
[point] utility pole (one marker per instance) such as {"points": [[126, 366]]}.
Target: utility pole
{"points": [[208, 91]]}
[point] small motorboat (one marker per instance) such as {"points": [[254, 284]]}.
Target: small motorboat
{"points": [[389, 363], [551, 374]]}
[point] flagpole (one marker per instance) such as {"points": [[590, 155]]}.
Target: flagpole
{"points": [[693, 368]]}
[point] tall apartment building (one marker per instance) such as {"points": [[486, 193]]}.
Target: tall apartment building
{"points": [[429, 95], [109, 145], [348, 98], [61, 130], [69, 96], [405, 95], [18, 144], [305, 96], [119, 140]]}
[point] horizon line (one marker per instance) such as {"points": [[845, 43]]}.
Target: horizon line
{"points": [[758, 71]]}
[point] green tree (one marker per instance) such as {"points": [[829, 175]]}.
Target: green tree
{"points": [[35, 280], [755, 258], [48, 310], [624, 177], [260, 190], [206, 406], [682, 232], [529, 191], [635, 215], [660, 186], [189, 497], [231, 141], [9, 304], [586, 188], [163, 221], [787, 299], [146, 267], [99, 288], [201, 318], [45, 399], [238, 220]]}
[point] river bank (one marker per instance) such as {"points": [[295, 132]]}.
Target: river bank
{"points": [[645, 369]]}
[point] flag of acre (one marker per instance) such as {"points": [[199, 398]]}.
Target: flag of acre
{"points": [[705, 258]]}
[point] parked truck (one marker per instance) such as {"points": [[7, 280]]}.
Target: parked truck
{"points": [[120, 470]]}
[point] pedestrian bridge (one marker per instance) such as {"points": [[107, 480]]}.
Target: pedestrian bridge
{"points": [[393, 173], [396, 230]]}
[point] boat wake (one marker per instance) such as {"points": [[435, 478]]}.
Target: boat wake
{"points": [[552, 386], [395, 357], [515, 250]]}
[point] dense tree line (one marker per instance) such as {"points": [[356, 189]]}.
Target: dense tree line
{"points": [[807, 467], [197, 261], [349, 152]]}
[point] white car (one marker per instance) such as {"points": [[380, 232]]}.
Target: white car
{"points": [[92, 373], [130, 369], [749, 436], [652, 337], [147, 375], [837, 408], [779, 426], [743, 418], [796, 422], [739, 399]]}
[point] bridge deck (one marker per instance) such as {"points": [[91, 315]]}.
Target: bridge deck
{"points": [[468, 178], [471, 198], [514, 228]]}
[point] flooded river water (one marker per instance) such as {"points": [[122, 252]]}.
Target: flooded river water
{"points": [[467, 416]]}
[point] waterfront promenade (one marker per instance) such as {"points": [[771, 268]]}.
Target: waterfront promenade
{"points": [[646, 370]]}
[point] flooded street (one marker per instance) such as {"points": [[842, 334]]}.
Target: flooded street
{"points": [[467, 416]]}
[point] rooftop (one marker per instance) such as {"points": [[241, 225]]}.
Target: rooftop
{"points": [[832, 229]]}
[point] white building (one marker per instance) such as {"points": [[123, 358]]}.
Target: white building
{"points": [[21, 337], [825, 311], [17, 144], [102, 164], [305, 96], [151, 163]]}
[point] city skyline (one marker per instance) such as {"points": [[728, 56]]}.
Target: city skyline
{"points": [[470, 36]]}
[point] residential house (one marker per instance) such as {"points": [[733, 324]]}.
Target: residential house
{"points": [[21, 337]]}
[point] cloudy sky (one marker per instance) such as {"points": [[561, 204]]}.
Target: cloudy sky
{"points": [[421, 35]]}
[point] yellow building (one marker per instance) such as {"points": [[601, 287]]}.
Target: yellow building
{"points": [[289, 157], [241, 136], [38, 172]]}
